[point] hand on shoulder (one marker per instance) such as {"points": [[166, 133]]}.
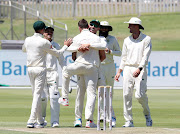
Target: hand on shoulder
{"points": [[68, 42]]}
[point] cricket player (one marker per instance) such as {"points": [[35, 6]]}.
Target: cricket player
{"points": [[135, 55], [81, 87], [86, 64], [36, 48], [52, 81], [108, 67]]}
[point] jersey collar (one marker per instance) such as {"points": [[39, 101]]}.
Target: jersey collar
{"points": [[85, 30], [38, 34], [140, 35]]}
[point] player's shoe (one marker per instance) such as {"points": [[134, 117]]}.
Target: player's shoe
{"points": [[128, 124], [90, 124], [63, 101], [30, 125], [101, 118], [55, 124], [40, 125], [45, 122], [148, 121], [113, 122], [78, 123]]}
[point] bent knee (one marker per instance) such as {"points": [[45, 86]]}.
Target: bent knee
{"points": [[44, 99], [139, 96]]}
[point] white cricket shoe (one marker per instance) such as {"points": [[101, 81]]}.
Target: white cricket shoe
{"points": [[90, 124], [101, 119], [148, 121], [78, 123], [30, 125], [55, 124], [40, 125], [128, 124], [113, 122], [63, 101]]}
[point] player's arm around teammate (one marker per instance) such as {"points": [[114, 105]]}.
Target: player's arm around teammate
{"points": [[36, 48], [84, 38], [81, 86]]}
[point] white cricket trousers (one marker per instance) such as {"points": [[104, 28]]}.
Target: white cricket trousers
{"points": [[109, 73], [51, 90], [81, 89], [128, 85], [79, 103], [37, 77], [90, 74]]}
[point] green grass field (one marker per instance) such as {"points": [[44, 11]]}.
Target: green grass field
{"points": [[162, 28], [15, 106]]}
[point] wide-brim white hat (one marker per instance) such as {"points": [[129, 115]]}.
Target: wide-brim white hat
{"points": [[105, 24], [135, 20]]}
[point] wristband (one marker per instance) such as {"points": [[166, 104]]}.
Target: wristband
{"points": [[140, 68]]}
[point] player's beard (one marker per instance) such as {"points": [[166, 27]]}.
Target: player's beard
{"points": [[130, 31], [105, 34]]}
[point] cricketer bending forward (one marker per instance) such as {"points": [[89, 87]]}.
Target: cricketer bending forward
{"points": [[52, 81], [135, 54], [86, 64], [37, 48]]}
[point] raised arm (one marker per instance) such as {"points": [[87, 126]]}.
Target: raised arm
{"points": [[55, 52], [95, 45], [100, 45]]}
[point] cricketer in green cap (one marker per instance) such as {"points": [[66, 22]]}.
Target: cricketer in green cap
{"points": [[38, 25], [95, 23]]}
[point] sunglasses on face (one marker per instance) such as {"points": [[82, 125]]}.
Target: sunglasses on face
{"points": [[95, 25]]}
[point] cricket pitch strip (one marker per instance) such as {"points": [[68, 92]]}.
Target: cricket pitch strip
{"points": [[72, 130]]}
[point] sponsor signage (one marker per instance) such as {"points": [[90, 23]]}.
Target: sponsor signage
{"points": [[163, 68]]}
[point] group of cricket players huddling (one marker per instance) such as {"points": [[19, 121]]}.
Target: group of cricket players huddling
{"points": [[93, 65]]}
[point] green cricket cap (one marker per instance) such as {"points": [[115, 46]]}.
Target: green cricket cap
{"points": [[95, 21], [38, 25]]}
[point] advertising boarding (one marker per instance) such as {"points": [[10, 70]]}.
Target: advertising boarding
{"points": [[163, 69]]}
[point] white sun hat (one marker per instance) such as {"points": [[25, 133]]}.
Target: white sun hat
{"points": [[106, 24], [135, 20]]}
